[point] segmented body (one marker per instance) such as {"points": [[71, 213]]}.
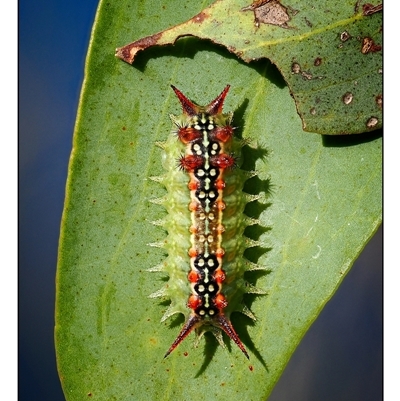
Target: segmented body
{"points": [[205, 241]]}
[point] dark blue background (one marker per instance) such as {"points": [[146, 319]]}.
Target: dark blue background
{"points": [[340, 358]]}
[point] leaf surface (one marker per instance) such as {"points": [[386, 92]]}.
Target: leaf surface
{"points": [[321, 203]]}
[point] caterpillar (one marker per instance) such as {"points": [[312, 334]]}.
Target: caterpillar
{"points": [[205, 221]]}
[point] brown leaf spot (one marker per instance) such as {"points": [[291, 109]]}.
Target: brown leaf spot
{"points": [[306, 75], [357, 6], [371, 123], [270, 12], [296, 69], [369, 46], [128, 52], [369, 9], [344, 36], [379, 100], [309, 23], [347, 98], [318, 61], [199, 18]]}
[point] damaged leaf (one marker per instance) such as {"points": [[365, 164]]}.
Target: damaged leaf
{"points": [[336, 48]]}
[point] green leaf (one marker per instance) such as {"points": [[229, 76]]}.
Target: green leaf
{"points": [[330, 55], [324, 205]]}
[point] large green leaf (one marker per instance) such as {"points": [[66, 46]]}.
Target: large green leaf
{"points": [[322, 206]]}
